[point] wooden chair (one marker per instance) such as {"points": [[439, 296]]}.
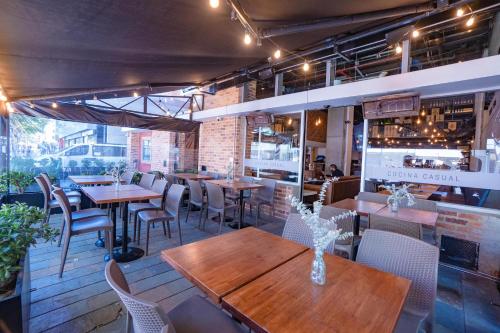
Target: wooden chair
{"points": [[48, 203]]}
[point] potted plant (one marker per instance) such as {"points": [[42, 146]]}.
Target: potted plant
{"points": [[20, 226], [397, 195]]}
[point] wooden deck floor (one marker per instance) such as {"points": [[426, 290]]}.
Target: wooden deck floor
{"points": [[82, 301]]}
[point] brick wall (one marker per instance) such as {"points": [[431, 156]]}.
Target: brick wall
{"points": [[133, 148], [222, 98], [481, 228]]}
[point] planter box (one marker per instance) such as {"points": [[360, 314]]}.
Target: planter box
{"points": [[15, 309], [30, 198]]}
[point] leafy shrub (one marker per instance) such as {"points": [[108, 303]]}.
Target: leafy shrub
{"points": [[19, 180], [72, 164], [22, 164], [20, 226]]}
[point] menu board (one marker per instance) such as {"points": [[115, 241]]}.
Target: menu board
{"points": [[391, 106]]}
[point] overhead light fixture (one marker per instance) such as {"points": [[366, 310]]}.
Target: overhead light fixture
{"points": [[3, 98], [470, 22], [420, 143], [460, 12], [214, 3], [418, 121], [305, 67], [399, 49], [277, 54], [136, 94], [290, 121], [247, 39], [422, 113], [415, 33], [54, 105], [430, 123], [9, 107]]}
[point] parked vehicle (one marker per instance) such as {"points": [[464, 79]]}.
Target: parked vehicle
{"points": [[91, 151]]}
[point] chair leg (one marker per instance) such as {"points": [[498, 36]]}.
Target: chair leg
{"points": [[48, 215], [168, 229], [61, 232], [187, 214], [128, 321], [147, 238], [222, 218], [257, 216], [201, 213], [64, 252], [138, 231], [180, 231], [135, 225], [164, 229]]}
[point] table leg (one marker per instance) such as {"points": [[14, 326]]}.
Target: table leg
{"points": [[357, 221], [242, 214], [126, 253]]}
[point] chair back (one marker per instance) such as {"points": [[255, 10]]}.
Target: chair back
{"points": [[62, 200], [171, 180], [346, 223], [296, 230], [45, 190], [147, 316], [127, 177], [407, 257], [398, 226], [421, 204], [174, 198], [195, 192], [215, 196], [373, 197], [147, 180], [267, 192], [46, 177], [159, 186]]}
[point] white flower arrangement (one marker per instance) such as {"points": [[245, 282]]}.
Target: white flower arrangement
{"points": [[117, 172], [324, 231], [398, 194]]}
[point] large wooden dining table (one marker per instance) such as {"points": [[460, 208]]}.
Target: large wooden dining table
{"points": [[411, 215], [237, 186], [264, 281], [192, 176], [123, 194], [362, 208]]}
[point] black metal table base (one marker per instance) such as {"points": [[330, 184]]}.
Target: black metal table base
{"points": [[132, 253], [235, 225], [118, 242]]}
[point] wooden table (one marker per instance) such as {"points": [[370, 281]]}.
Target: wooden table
{"points": [[222, 264], [362, 208], [411, 215], [112, 195], [92, 180], [192, 176], [355, 298], [240, 186]]}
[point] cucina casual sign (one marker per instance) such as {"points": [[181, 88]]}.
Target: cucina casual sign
{"points": [[438, 177]]}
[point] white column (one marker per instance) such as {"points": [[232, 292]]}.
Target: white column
{"points": [[278, 84], [363, 155], [405, 56], [349, 119]]}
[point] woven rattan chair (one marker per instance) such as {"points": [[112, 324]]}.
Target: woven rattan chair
{"points": [[349, 244], [373, 197], [171, 212], [81, 226], [159, 186], [48, 203], [196, 198], [195, 315], [296, 230], [147, 180], [262, 197], [127, 177], [412, 259], [216, 203], [395, 225]]}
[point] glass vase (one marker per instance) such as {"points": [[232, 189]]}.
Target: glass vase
{"points": [[394, 206], [318, 272]]}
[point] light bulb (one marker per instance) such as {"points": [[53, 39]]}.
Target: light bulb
{"points": [[422, 113], [214, 3], [305, 67], [54, 105], [460, 12], [418, 121], [3, 98], [247, 39], [136, 94], [399, 49], [470, 21], [9, 107], [277, 54], [289, 121], [415, 33]]}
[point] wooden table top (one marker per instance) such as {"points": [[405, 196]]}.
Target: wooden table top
{"points": [[92, 180], [109, 194], [361, 207], [355, 298], [411, 215], [222, 264], [235, 185], [192, 176]]}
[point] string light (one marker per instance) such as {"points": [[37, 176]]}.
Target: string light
{"points": [[136, 94], [430, 123], [399, 49], [418, 121], [247, 39], [9, 107], [305, 67], [54, 105], [470, 22], [422, 113], [214, 3], [289, 121], [277, 54], [460, 12], [415, 33], [3, 98]]}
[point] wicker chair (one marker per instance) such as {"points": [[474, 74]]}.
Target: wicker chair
{"points": [[373, 197], [194, 315], [216, 203], [262, 197], [171, 212], [395, 225], [147, 180], [127, 178], [296, 230], [159, 186], [196, 198], [48, 203], [347, 245], [411, 259], [81, 226]]}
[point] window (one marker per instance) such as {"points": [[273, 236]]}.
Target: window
{"points": [[109, 151], [146, 150], [77, 151]]}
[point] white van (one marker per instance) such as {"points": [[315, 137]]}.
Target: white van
{"points": [[106, 152]]}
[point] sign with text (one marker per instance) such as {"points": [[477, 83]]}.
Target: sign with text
{"points": [[290, 166]]}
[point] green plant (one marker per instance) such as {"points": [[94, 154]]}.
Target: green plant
{"points": [[20, 180], [22, 164], [99, 163], [136, 178], [72, 164], [86, 163], [20, 226]]}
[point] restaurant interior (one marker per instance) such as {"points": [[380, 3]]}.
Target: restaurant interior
{"points": [[250, 166]]}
